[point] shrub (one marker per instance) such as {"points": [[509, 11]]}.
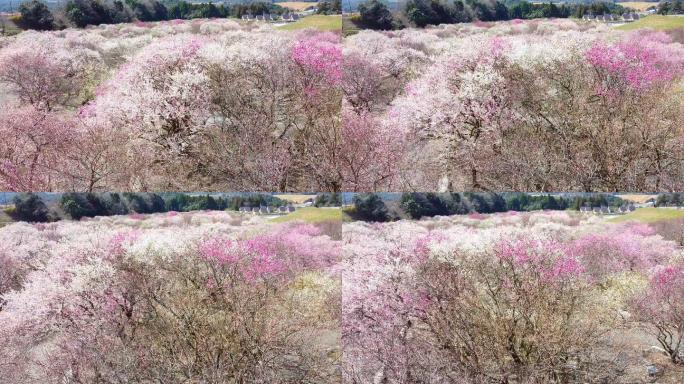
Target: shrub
{"points": [[375, 15], [370, 207], [95, 12], [328, 200], [507, 299], [78, 205], [149, 10], [30, 207], [36, 15], [417, 205]]}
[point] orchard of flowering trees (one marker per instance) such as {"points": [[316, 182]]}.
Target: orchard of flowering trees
{"points": [[217, 297], [554, 105], [220, 105], [206, 297], [200, 105], [546, 297]]}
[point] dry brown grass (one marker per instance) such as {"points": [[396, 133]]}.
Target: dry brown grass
{"points": [[295, 198], [637, 198], [297, 5], [638, 5]]}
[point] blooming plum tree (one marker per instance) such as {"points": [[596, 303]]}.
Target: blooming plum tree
{"points": [[31, 155], [504, 108], [172, 300], [662, 310], [45, 71], [499, 298]]}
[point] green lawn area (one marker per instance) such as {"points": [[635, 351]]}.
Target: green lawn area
{"points": [[349, 27], [658, 22], [312, 215], [321, 22], [5, 219], [649, 215], [8, 28]]}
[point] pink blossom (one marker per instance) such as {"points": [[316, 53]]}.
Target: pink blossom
{"points": [[286, 249], [33, 147], [369, 153], [263, 265], [667, 277], [642, 60], [476, 216], [498, 46], [549, 258], [220, 250], [320, 53], [118, 242], [564, 267], [623, 247]]}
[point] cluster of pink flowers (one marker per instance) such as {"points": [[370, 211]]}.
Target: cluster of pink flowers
{"points": [[220, 250], [661, 307], [548, 258], [498, 46], [641, 60], [422, 244], [628, 247], [320, 53], [253, 259], [263, 263], [33, 147], [668, 279], [272, 254], [118, 242]]}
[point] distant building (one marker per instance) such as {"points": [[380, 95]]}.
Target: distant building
{"points": [[608, 18]]}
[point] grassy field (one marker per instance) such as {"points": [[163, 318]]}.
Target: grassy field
{"points": [[297, 5], [312, 215], [638, 5], [349, 27], [5, 219], [657, 22], [320, 22], [7, 27], [649, 215]]}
